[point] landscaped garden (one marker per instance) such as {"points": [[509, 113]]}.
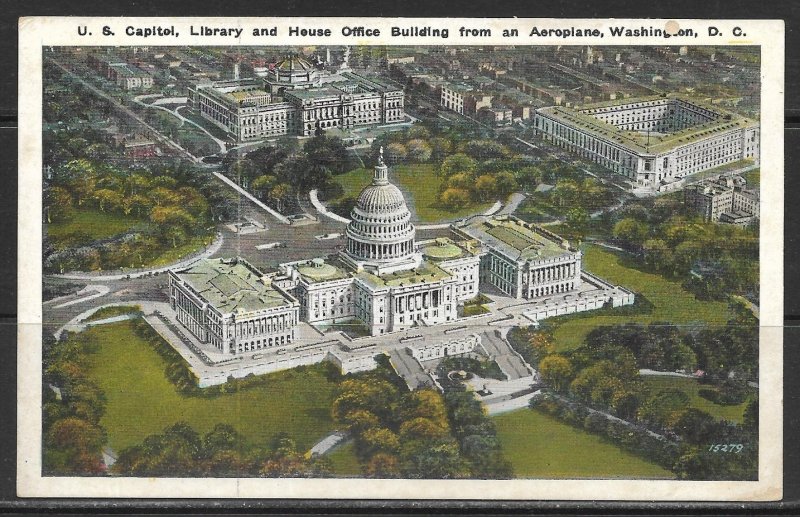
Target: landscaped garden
{"points": [[670, 301], [140, 401], [539, 446], [693, 388], [85, 225]]}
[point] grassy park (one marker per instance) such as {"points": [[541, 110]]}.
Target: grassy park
{"points": [[344, 462], [671, 302], [86, 225], [692, 387], [141, 401], [539, 446], [422, 184]]}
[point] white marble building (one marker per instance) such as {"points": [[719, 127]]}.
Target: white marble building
{"points": [[384, 279]]}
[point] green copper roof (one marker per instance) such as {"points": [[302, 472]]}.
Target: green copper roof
{"points": [[231, 286]]}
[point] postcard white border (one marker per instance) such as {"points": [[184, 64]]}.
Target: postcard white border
{"points": [[36, 33]]}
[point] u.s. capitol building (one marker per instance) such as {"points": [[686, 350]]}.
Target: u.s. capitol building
{"points": [[386, 281]]}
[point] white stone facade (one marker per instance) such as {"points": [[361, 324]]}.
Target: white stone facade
{"points": [[236, 325], [712, 138]]}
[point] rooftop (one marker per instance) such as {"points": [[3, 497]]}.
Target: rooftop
{"points": [[427, 272], [515, 238], [246, 94], [638, 141], [231, 285], [322, 270], [444, 248]]}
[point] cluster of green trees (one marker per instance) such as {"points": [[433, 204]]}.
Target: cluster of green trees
{"points": [[604, 372], [693, 448], [275, 173], [169, 205], [476, 435], [574, 195], [180, 451], [398, 433], [72, 436], [728, 355], [671, 242]]}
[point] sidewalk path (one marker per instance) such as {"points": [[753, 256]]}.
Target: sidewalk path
{"points": [[99, 290], [249, 196], [327, 443], [322, 209]]}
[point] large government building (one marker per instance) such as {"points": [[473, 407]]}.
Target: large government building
{"points": [[232, 306], [383, 280], [653, 141], [295, 98]]}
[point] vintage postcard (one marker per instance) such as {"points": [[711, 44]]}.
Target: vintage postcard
{"points": [[401, 258]]}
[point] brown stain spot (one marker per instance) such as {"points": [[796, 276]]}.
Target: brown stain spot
{"points": [[671, 27]]}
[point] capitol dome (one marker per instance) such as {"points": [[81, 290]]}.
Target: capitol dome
{"points": [[380, 229], [294, 70]]}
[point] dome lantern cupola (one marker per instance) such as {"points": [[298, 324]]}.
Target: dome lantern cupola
{"points": [[380, 235]]}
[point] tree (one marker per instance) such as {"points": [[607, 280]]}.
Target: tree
{"points": [[418, 151], [263, 184], [73, 447], [456, 163], [453, 198], [657, 255], [630, 231], [382, 465], [577, 218], [327, 152], [279, 193], [506, 183], [396, 153], [59, 203], [379, 439], [485, 186], [556, 371]]}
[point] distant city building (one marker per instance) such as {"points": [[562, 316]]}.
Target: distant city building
{"points": [[294, 98], [653, 141], [725, 199], [498, 116], [232, 306], [453, 96], [119, 71]]}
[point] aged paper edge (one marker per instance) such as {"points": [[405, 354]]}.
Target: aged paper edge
{"points": [[36, 32]]}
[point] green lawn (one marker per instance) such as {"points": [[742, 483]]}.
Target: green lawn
{"points": [[671, 302], [170, 254], [539, 446], [420, 181], [85, 225], [753, 178], [114, 310], [733, 413], [344, 461], [204, 123], [141, 401], [352, 182]]}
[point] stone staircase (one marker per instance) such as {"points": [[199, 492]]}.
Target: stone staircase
{"points": [[506, 358]]}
